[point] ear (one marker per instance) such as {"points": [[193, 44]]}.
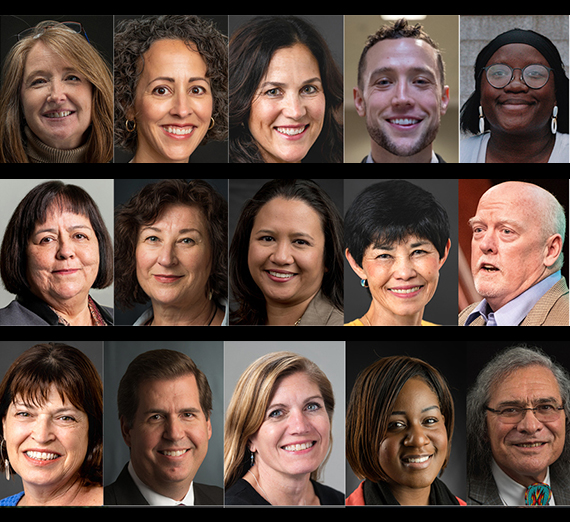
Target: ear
{"points": [[126, 431], [355, 266], [444, 258], [445, 99], [553, 250], [359, 102]]}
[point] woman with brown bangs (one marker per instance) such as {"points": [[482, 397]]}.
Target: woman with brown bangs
{"points": [[399, 427], [56, 102], [51, 405]]}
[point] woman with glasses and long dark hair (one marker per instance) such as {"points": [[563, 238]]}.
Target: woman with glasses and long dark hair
{"points": [[519, 110]]}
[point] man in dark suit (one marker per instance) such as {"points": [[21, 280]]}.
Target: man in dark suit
{"points": [[402, 94], [517, 416], [164, 404]]}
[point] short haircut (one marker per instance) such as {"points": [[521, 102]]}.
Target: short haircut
{"points": [[391, 211], [396, 31], [159, 365]]}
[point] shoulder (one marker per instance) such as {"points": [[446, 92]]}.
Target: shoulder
{"points": [[12, 501], [357, 322], [205, 495], [243, 494], [17, 315], [357, 498], [470, 147], [328, 496]]}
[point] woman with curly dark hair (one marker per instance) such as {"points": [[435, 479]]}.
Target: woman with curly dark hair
{"points": [[286, 94], [170, 86]]}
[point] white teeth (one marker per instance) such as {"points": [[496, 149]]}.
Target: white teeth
{"points": [[281, 276], [38, 455], [59, 114], [405, 121], [291, 132], [299, 447], [490, 268], [420, 460], [535, 445], [174, 453], [409, 291], [178, 131]]}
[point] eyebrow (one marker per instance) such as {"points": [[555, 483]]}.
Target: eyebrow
{"points": [[429, 408], [183, 231], [387, 70], [281, 84], [158, 411], [391, 247], [54, 231], [41, 72], [522, 403], [295, 234], [308, 399], [173, 80]]}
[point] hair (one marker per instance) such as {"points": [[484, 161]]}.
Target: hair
{"points": [[371, 403], [30, 379], [504, 364], [470, 110], [396, 31], [252, 48], [158, 365], [144, 209], [75, 49], [33, 210], [133, 38], [252, 306], [391, 211], [248, 406]]}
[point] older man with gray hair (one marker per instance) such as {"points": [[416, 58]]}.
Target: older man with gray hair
{"points": [[518, 423], [519, 233]]}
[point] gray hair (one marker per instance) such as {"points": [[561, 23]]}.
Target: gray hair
{"points": [[501, 366]]}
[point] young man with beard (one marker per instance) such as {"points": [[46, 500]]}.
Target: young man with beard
{"points": [[402, 94]]}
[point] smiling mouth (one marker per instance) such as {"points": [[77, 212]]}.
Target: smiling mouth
{"points": [[58, 115], [42, 455], [416, 460], [179, 131], [177, 453], [283, 276], [531, 445], [299, 447], [406, 291], [404, 122], [489, 268], [292, 131]]}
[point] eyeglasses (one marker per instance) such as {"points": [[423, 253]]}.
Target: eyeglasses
{"points": [[36, 32], [514, 414], [534, 76]]}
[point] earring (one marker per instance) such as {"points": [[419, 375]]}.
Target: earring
{"points": [[554, 124], [131, 126], [481, 120], [364, 283], [213, 124], [252, 460], [6, 461]]}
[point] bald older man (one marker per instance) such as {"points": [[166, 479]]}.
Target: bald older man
{"points": [[517, 256]]}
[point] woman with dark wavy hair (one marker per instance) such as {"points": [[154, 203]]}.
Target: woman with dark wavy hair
{"points": [[286, 94], [170, 87]]}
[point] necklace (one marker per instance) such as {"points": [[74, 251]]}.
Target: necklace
{"points": [[265, 496]]}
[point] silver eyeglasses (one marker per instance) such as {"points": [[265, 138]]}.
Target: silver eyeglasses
{"points": [[534, 76], [547, 412], [36, 32]]}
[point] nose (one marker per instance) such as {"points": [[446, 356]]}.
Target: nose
{"points": [[181, 105], [167, 256], [416, 437], [488, 243], [57, 92], [517, 84], [65, 250], [404, 269], [402, 95], [529, 423], [42, 431], [282, 253], [294, 107], [298, 424], [173, 429]]}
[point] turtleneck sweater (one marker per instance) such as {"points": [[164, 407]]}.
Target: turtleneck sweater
{"points": [[39, 152]]}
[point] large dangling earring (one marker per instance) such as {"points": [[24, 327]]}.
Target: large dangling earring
{"points": [[554, 124], [131, 126], [212, 125], [252, 460], [481, 120], [6, 461]]}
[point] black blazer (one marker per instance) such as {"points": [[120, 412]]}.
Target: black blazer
{"points": [[439, 158], [124, 492]]}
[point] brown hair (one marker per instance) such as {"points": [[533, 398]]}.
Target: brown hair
{"points": [[372, 402], [33, 210], [75, 378], [158, 365], [75, 49], [144, 208]]}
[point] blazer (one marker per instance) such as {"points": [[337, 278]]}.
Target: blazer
{"points": [[439, 159], [124, 492], [481, 492], [551, 310]]}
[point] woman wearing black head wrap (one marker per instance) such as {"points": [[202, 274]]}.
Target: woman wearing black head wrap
{"points": [[519, 111]]}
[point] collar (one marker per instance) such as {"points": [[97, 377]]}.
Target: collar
{"points": [[154, 498], [515, 311], [434, 158], [39, 152], [511, 492]]}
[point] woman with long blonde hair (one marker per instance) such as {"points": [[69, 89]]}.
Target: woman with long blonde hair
{"points": [[56, 101]]}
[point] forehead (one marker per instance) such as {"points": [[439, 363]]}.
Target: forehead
{"points": [[525, 385], [164, 392], [173, 57], [401, 54], [518, 55]]}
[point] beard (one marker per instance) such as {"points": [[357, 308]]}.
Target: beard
{"points": [[407, 148]]}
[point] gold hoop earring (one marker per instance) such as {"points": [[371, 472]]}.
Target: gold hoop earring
{"points": [[212, 125], [131, 126]]}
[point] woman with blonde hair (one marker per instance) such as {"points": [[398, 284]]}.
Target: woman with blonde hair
{"points": [[278, 434], [56, 101]]}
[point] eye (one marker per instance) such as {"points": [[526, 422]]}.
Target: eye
{"points": [[161, 91]]}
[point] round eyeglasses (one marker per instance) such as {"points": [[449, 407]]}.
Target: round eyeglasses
{"points": [[547, 412], [534, 76], [36, 32]]}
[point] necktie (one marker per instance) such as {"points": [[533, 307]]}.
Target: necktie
{"points": [[538, 495]]}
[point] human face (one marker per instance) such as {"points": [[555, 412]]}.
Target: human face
{"points": [[287, 251], [46, 443], [288, 109], [174, 103], [510, 250], [525, 450], [402, 278], [416, 446], [173, 257], [402, 99], [294, 438], [516, 108], [56, 99], [63, 259], [169, 436]]}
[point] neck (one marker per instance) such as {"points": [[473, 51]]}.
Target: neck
{"points": [[75, 311], [67, 495], [287, 314], [509, 148], [39, 152], [284, 490], [411, 497], [204, 314], [379, 316]]}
